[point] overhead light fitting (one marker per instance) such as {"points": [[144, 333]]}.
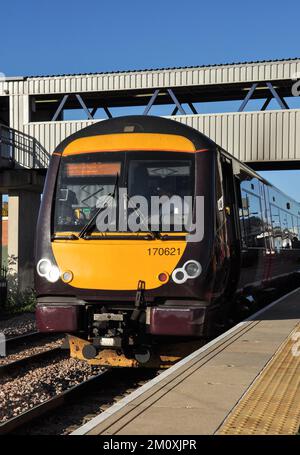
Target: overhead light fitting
{"points": [[257, 88], [46, 101], [142, 95]]}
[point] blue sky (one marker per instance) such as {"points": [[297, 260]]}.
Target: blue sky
{"points": [[75, 36]]}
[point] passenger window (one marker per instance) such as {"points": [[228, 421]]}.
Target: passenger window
{"points": [[253, 220], [287, 225], [294, 233], [242, 207], [295, 227], [276, 226]]}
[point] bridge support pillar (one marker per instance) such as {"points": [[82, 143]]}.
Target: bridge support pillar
{"points": [[23, 208]]}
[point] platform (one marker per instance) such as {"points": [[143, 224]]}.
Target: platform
{"points": [[246, 381]]}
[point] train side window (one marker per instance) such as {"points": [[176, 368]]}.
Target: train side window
{"points": [[239, 201], [276, 226], [293, 231], [219, 195], [250, 184], [295, 227], [287, 230], [253, 220], [242, 200], [296, 232]]}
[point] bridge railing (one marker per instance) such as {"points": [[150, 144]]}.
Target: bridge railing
{"points": [[18, 149]]}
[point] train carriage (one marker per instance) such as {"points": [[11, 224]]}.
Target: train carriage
{"points": [[150, 233]]}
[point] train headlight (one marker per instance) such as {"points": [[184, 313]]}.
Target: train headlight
{"points": [[53, 274], [67, 276], [193, 269], [190, 270], [46, 270], [179, 276], [43, 267]]}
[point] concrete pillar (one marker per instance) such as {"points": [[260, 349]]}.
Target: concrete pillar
{"points": [[23, 208]]}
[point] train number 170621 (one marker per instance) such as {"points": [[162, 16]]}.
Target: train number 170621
{"points": [[164, 251]]}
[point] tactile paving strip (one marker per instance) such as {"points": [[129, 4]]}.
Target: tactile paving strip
{"points": [[272, 404]]}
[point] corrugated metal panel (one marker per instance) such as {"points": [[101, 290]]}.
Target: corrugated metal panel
{"points": [[250, 136], [16, 112], [50, 134], [150, 79]]}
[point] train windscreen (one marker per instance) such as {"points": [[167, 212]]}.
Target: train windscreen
{"points": [[158, 192]]}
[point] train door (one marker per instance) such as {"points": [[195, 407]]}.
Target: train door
{"points": [[254, 231], [232, 224]]}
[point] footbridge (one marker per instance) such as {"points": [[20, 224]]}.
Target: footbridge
{"points": [[252, 109], [23, 165]]}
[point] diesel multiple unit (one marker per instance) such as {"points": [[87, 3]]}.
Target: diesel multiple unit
{"points": [[123, 277]]}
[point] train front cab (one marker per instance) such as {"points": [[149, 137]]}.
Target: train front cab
{"points": [[121, 295]]}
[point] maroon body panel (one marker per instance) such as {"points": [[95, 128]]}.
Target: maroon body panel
{"points": [[177, 321], [57, 318]]}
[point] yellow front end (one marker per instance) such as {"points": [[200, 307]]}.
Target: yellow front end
{"points": [[117, 264]]}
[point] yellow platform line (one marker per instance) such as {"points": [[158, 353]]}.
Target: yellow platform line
{"points": [[272, 404]]}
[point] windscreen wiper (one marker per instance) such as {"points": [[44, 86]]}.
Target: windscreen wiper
{"points": [[64, 237], [91, 223], [153, 234]]}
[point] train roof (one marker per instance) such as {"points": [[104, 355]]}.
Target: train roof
{"points": [[140, 124]]}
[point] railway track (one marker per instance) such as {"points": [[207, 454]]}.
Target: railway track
{"points": [[25, 354], [67, 411], [15, 366], [13, 342], [53, 403], [28, 348], [26, 383]]}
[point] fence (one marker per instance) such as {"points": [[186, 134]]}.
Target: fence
{"points": [[3, 287], [21, 150]]}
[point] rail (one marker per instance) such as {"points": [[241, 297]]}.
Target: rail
{"points": [[68, 396]]}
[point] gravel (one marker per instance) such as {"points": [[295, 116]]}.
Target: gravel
{"points": [[33, 386], [89, 404], [18, 325], [35, 348]]}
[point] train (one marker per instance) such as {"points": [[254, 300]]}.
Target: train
{"points": [[150, 234]]}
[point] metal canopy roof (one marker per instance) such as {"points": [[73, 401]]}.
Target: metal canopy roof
{"points": [[207, 82], [215, 65]]}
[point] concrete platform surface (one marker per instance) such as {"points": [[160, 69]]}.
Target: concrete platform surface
{"points": [[197, 394]]}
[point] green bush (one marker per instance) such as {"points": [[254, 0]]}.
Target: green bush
{"points": [[21, 302], [18, 301]]}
